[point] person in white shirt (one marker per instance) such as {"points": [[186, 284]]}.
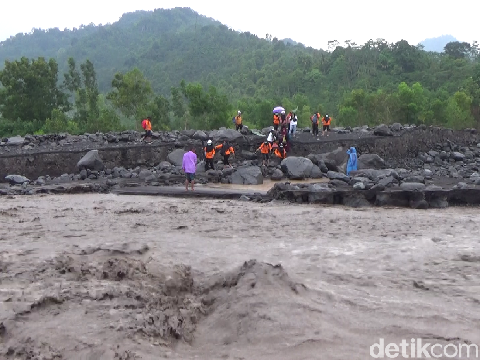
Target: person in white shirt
{"points": [[293, 124]]}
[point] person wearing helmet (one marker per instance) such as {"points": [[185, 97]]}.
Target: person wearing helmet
{"points": [[209, 155], [238, 121], [326, 124]]}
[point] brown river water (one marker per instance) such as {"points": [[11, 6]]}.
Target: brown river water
{"points": [[139, 277]]}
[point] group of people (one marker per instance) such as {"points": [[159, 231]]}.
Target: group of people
{"points": [[287, 123], [326, 121], [225, 150], [189, 163]]}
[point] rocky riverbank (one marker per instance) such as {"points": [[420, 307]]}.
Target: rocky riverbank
{"points": [[447, 168]]}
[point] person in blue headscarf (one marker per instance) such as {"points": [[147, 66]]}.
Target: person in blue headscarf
{"points": [[352, 160]]}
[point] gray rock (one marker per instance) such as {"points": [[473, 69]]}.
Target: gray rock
{"points": [[388, 181], [382, 130], [277, 175], [338, 176], [249, 175], [83, 174], [359, 186], [412, 186], [457, 156], [415, 179], [200, 168], [16, 179], [396, 127], [427, 173], [316, 172], [200, 135], [370, 161], [176, 157], [375, 175], [91, 161], [225, 134], [15, 141], [248, 155], [144, 174], [165, 165], [297, 167]]}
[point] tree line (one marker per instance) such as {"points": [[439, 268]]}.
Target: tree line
{"points": [[149, 54], [33, 101]]}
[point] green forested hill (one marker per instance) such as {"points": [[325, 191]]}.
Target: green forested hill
{"points": [[356, 83]]}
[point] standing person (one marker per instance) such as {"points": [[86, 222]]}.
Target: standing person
{"points": [[147, 126], [326, 124], [293, 124], [352, 160], [209, 155], [238, 121], [189, 166], [271, 137], [225, 150], [283, 119], [265, 149], [276, 121], [315, 120]]}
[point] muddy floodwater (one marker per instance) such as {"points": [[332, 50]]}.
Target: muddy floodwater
{"points": [[138, 277]]}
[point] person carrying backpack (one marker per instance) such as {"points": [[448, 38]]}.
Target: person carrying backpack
{"points": [[209, 155], [265, 149], [238, 121], [225, 150], [276, 121], [315, 119], [326, 124], [147, 126]]}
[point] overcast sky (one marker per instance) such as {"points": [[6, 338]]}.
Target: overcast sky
{"points": [[310, 22]]}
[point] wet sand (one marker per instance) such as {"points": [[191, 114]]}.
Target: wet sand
{"points": [[267, 184], [138, 277]]}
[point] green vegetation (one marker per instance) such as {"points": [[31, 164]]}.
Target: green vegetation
{"points": [[189, 71]]}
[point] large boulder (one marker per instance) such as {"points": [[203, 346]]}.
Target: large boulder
{"points": [[225, 134], [91, 161], [370, 161], [176, 157], [200, 135], [16, 141], [297, 167], [16, 179], [248, 175], [382, 130]]}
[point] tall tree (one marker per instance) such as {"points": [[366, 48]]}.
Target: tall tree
{"points": [[131, 92], [30, 90]]}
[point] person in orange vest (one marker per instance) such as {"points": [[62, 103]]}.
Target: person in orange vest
{"points": [[265, 149], [276, 121], [147, 126], [225, 150], [326, 124], [280, 152], [238, 121], [209, 155]]}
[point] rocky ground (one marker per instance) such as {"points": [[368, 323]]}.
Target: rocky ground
{"points": [[108, 277], [446, 166]]}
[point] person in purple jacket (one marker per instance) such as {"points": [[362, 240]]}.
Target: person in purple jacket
{"points": [[189, 166]]}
